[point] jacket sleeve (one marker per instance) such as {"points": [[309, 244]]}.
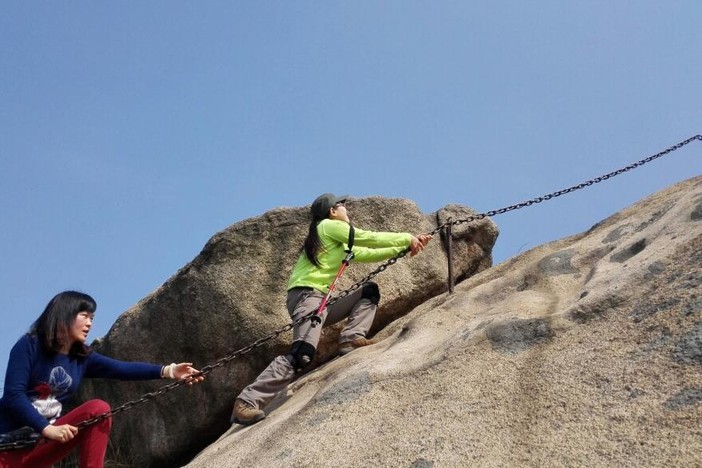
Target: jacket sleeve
{"points": [[369, 246], [365, 255], [15, 398], [99, 366], [339, 231]]}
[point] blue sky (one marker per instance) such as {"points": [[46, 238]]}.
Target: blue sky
{"points": [[131, 132]]}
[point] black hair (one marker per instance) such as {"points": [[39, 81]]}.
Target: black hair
{"points": [[313, 243], [53, 325]]}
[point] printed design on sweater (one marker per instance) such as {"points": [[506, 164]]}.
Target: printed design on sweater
{"points": [[46, 401]]}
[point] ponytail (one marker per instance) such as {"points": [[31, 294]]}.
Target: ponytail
{"points": [[312, 243]]}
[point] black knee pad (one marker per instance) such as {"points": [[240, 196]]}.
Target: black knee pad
{"points": [[371, 291], [300, 355]]}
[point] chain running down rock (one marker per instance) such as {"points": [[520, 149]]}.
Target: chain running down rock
{"points": [[242, 351]]}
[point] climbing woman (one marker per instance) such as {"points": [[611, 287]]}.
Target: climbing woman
{"points": [[45, 368], [330, 236]]}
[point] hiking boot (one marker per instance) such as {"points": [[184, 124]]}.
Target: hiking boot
{"points": [[245, 413], [348, 346]]}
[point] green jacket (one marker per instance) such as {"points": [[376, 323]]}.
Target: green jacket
{"points": [[368, 246]]}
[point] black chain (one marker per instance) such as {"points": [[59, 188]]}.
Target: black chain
{"points": [[203, 372], [368, 277], [22, 439], [558, 193], [29, 442], [221, 362]]}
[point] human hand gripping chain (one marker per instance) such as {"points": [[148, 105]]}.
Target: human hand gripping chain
{"points": [[45, 368], [417, 244], [183, 371], [331, 244]]}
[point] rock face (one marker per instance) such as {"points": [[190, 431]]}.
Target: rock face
{"points": [[583, 352], [232, 294]]}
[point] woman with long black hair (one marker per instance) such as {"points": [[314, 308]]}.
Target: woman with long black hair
{"points": [[44, 370], [324, 249]]}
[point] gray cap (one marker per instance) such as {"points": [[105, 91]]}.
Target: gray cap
{"points": [[322, 204]]}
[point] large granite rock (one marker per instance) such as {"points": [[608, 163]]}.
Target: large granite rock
{"points": [[232, 294], [586, 351]]}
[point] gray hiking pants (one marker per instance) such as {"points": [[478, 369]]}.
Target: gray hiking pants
{"points": [[300, 302]]}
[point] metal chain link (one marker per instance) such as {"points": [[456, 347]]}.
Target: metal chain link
{"points": [[558, 193], [20, 444], [221, 362], [26, 441], [368, 277], [203, 372]]}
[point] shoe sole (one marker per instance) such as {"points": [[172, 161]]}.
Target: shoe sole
{"points": [[254, 420], [344, 351]]}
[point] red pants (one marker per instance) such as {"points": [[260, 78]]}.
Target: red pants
{"points": [[92, 441]]}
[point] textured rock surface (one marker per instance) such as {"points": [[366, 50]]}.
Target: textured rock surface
{"points": [[583, 352], [232, 294]]}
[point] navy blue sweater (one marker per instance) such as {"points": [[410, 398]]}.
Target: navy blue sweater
{"points": [[37, 383]]}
